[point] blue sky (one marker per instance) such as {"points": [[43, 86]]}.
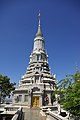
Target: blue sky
{"points": [[60, 22]]}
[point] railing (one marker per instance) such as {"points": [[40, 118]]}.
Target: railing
{"points": [[12, 108], [18, 115], [52, 115], [12, 113]]}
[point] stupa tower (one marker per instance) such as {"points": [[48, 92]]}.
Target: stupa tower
{"points": [[37, 84]]}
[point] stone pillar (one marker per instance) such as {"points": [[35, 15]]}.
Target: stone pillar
{"points": [[39, 78], [29, 100], [49, 95], [40, 102], [22, 98]]}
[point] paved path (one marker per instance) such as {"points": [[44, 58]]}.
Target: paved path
{"points": [[31, 114]]}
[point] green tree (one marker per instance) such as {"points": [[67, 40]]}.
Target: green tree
{"points": [[69, 88], [5, 87]]}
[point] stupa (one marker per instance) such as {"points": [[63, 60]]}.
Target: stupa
{"points": [[37, 84]]}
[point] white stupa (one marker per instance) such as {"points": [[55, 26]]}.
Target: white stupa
{"points": [[37, 84]]}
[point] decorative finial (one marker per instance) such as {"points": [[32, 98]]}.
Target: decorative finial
{"points": [[39, 17], [39, 32], [77, 71]]}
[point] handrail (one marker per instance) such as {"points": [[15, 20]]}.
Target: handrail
{"points": [[56, 116], [18, 115]]}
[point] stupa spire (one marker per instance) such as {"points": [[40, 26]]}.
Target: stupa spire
{"points": [[77, 70], [39, 33], [39, 15]]}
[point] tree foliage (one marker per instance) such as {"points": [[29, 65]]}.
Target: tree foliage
{"points": [[69, 90], [5, 87]]}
